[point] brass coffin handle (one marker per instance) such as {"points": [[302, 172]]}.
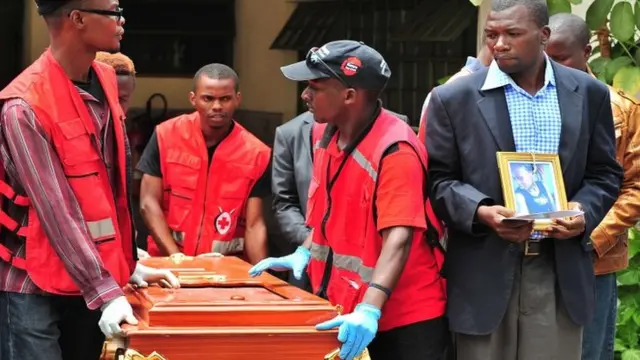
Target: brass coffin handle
{"points": [[134, 355], [334, 355]]}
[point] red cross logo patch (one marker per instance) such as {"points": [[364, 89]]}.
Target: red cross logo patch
{"points": [[223, 222]]}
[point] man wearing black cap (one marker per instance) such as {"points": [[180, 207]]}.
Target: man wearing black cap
{"points": [[66, 240], [367, 251]]}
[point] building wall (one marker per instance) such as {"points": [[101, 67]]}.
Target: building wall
{"points": [[263, 86]]}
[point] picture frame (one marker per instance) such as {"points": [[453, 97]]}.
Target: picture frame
{"points": [[532, 183]]}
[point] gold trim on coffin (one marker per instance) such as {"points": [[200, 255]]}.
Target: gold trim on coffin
{"points": [[334, 355], [113, 350], [134, 355]]}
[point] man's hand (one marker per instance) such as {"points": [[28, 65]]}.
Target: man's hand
{"points": [[492, 216], [113, 314], [567, 228], [144, 275], [356, 330]]}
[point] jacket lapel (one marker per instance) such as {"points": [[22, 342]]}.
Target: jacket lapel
{"points": [[307, 121], [571, 108], [493, 107]]}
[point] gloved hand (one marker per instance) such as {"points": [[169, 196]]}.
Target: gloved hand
{"points": [[357, 329], [297, 262], [143, 275], [113, 313]]}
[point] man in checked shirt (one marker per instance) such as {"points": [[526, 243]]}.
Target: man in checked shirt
{"points": [[66, 240]]}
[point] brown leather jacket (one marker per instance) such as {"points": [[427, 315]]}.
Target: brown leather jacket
{"points": [[610, 237]]}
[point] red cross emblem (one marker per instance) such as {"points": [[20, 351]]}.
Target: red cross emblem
{"points": [[223, 223]]}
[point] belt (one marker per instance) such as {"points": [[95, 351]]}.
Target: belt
{"points": [[537, 247]]}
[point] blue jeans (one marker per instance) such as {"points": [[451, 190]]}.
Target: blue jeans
{"points": [[43, 327], [599, 335]]}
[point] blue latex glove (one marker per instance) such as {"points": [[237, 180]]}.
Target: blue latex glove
{"points": [[357, 329], [297, 262]]}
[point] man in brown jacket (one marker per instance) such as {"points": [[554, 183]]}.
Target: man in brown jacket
{"points": [[569, 45]]}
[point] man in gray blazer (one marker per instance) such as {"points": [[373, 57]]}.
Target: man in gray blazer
{"points": [[290, 178], [513, 293]]}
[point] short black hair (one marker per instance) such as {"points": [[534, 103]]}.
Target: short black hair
{"points": [[571, 25], [537, 9], [218, 72], [63, 10]]}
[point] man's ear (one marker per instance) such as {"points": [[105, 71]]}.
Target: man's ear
{"points": [[192, 98], [587, 51], [350, 96], [545, 33], [76, 19]]}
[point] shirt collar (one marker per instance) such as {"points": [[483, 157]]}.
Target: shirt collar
{"points": [[496, 78]]}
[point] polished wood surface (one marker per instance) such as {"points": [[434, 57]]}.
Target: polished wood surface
{"points": [[222, 313]]}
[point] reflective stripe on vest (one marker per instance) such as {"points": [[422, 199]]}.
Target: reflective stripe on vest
{"points": [[343, 262], [236, 245], [101, 229]]}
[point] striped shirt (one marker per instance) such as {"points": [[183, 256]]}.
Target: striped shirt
{"points": [[32, 166]]}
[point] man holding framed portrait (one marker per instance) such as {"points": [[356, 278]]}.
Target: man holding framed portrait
{"points": [[515, 293]]}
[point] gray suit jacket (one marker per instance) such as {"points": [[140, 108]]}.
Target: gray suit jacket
{"points": [[466, 127], [290, 177]]}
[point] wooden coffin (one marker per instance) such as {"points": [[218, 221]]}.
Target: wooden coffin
{"points": [[221, 313]]}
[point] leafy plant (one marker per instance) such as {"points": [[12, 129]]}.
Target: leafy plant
{"points": [[627, 344]]}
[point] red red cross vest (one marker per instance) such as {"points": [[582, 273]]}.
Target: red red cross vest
{"points": [[65, 118], [204, 204], [343, 222]]}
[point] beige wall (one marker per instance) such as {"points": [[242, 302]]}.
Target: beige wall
{"points": [[262, 85]]}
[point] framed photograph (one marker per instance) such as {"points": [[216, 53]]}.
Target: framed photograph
{"points": [[532, 183]]}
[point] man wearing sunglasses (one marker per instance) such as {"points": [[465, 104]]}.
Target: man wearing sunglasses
{"points": [[66, 234], [367, 209]]}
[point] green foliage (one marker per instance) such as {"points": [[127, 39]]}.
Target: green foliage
{"points": [[443, 80], [597, 13], [621, 67], [558, 6], [627, 344]]}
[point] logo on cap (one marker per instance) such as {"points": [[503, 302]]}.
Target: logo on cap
{"points": [[351, 66]]}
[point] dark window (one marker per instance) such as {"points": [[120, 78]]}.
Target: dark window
{"points": [[175, 38]]}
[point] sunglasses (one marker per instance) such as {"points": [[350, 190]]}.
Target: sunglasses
{"points": [[117, 14], [313, 59]]}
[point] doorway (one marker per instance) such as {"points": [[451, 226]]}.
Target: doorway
{"points": [[11, 45]]}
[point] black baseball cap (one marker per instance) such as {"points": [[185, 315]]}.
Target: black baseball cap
{"points": [[352, 62], [46, 7]]}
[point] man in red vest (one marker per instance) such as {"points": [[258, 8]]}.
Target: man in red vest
{"points": [[368, 209], [205, 177], [66, 240]]}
